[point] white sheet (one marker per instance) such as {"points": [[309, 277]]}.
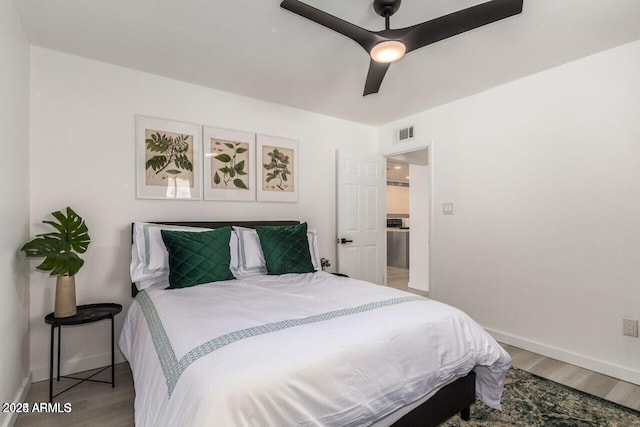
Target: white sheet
{"points": [[351, 353]]}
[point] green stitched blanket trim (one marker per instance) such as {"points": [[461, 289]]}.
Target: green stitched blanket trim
{"points": [[173, 368], [166, 356]]}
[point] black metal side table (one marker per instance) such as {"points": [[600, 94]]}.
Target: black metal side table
{"points": [[88, 313]]}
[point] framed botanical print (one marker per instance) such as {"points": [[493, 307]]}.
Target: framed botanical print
{"points": [[168, 159], [277, 161], [229, 171]]}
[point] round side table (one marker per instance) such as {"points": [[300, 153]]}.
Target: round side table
{"points": [[88, 313]]}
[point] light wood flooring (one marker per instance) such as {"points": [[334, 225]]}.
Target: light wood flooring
{"points": [[98, 405], [600, 385], [399, 278], [92, 404]]}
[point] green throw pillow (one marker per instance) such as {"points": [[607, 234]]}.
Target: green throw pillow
{"points": [[198, 257], [286, 248]]}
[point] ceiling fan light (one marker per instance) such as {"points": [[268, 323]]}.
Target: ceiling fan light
{"points": [[388, 51]]}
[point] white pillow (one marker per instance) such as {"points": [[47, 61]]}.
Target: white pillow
{"points": [[251, 260], [312, 235], [149, 256]]}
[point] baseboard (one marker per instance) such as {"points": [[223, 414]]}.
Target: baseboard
{"points": [[21, 396], [596, 365], [77, 365]]}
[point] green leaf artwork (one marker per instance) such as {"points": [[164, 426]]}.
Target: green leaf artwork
{"points": [[230, 164], [173, 150], [277, 170]]}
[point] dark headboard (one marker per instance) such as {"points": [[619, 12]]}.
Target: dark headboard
{"points": [[211, 224]]}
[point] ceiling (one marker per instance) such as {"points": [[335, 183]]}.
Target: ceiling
{"points": [[257, 49], [397, 171]]}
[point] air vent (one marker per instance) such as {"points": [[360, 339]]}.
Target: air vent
{"points": [[403, 134]]}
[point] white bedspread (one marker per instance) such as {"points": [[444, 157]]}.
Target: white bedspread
{"points": [[299, 349]]}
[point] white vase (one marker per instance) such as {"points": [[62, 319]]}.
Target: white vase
{"points": [[65, 305]]}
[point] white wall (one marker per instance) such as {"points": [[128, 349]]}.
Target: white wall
{"points": [[419, 231], [14, 207], [397, 200], [544, 173], [82, 155]]}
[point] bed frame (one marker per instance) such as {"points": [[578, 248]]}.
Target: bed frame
{"points": [[456, 397]]}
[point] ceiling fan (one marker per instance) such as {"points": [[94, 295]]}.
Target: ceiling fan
{"points": [[389, 45]]}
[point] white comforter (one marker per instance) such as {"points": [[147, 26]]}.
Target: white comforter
{"points": [[299, 349]]}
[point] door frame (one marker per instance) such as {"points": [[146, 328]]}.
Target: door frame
{"points": [[430, 200]]}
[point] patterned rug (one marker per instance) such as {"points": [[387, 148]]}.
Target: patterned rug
{"points": [[531, 401]]}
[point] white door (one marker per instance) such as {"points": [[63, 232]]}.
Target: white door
{"points": [[361, 216]]}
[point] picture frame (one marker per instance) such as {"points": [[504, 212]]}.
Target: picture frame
{"points": [[168, 160], [228, 158], [277, 169]]}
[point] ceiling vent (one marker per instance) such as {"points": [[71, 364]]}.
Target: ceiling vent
{"points": [[403, 134]]}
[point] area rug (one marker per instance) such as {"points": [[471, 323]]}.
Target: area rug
{"points": [[529, 400]]}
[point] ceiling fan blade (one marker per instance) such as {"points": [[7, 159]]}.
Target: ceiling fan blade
{"points": [[455, 23], [364, 38], [374, 77]]}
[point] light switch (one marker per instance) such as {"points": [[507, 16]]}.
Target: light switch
{"points": [[447, 208]]}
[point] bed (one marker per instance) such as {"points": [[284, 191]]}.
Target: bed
{"points": [[307, 349]]}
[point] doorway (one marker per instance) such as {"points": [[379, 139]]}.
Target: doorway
{"points": [[398, 224], [408, 219]]}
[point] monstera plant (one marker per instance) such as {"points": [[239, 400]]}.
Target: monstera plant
{"points": [[60, 249]]}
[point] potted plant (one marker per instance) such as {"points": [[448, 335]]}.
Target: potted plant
{"points": [[60, 250]]}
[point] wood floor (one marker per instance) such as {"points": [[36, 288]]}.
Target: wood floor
{"points": [[98, 405], [92, 404], [600, 385], [399, 278]]}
